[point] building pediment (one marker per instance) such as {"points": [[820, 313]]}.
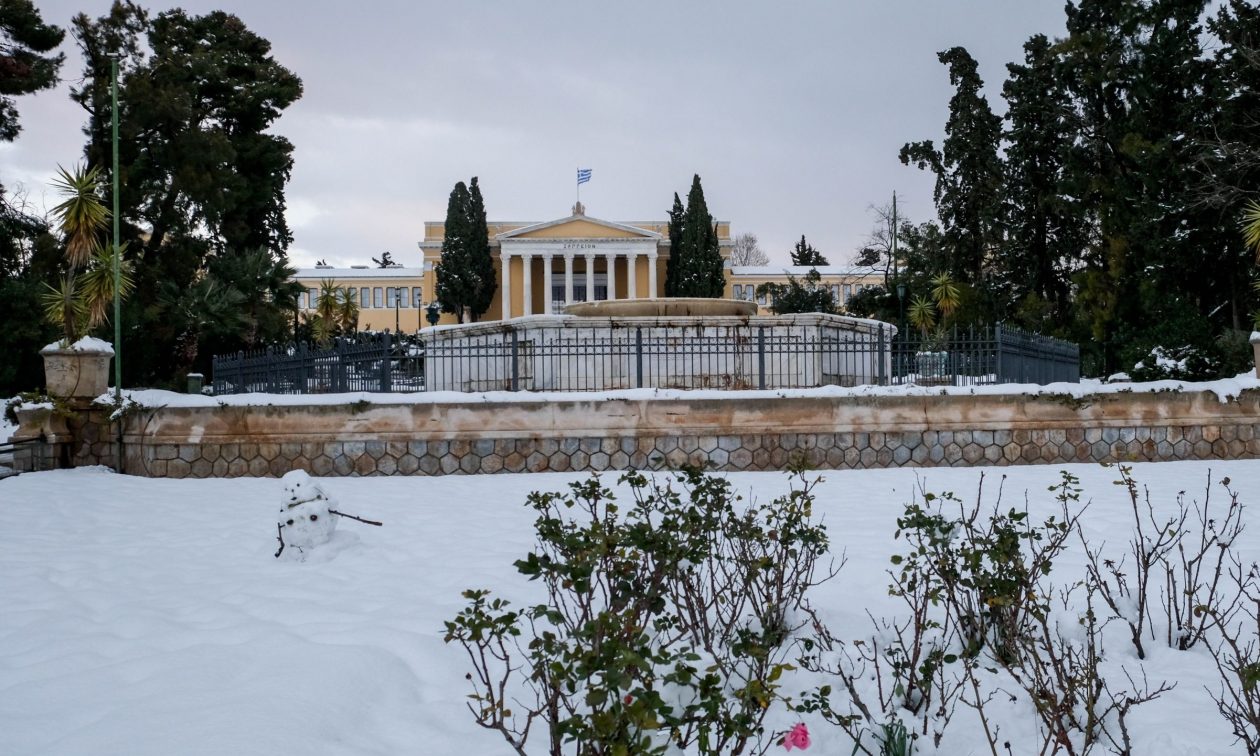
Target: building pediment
{"points": [[579, 227]]}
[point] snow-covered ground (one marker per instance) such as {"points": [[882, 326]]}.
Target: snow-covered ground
{"points": [[146, 616]]}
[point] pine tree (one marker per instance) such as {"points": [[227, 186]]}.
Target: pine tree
{"points": [[464, 274], [1136, 76], [968, 170], [804, 254], [698, 269], [676, 214]]}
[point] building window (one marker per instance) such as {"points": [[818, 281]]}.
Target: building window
{"points": [[417, 297], [364, 302], [848, 292], [389, 297], [835, 292], [378, 297], [314, 300], [301, 303]]}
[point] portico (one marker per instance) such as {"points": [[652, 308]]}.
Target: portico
{"points": [[541, 267], [576, 259]]}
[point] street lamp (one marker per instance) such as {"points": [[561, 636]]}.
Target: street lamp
{"points": [[397, 303], [901, 303]]}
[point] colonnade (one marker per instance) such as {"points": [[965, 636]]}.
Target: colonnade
{"points": [[610, 258]]}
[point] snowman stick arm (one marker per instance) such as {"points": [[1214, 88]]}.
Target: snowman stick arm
{"points": [[280, 538], [352, 517]]}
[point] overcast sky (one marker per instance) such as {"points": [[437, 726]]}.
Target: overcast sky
{"points": [[791, 112]]}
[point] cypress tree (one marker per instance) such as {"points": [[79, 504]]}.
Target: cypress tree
{"points": [[481, 263], [675, 247], [451, 274], [699, 265]]}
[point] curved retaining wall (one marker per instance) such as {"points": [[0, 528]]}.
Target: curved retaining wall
{"points": [[764, 432]]}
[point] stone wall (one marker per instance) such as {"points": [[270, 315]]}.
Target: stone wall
{"points": [[757, 431]]}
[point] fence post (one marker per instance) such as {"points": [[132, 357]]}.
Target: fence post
{"points": [[997, 348], [385, 376], [516, 366], [301, 367], [883, 350], [761, 357], [638, 357]]}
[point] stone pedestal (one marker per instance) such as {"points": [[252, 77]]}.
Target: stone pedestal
{"points": [[80, 371]]}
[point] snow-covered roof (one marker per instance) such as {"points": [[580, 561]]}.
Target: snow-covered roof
{"points": [[800, 270], [373, 272]]}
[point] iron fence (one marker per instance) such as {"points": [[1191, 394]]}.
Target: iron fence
{"points": [[579, 357], [377, 362], [982, 356], [576, 357]]}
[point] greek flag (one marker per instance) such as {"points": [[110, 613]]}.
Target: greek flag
{"points": [[584, 175]]}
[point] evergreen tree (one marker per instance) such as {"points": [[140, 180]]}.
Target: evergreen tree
{"points": [[482, 263], [804, 254], [25, 65], [797, 295], [968, 170], [1044, 225], [202, 174], [1135, 73], [698, 269], [676, 214], [465, 273]]}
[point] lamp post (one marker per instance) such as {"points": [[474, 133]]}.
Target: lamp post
{"points": [[901, 304], [113, 97], [397, 303]]}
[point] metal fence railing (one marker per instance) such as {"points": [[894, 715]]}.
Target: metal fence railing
{"points": [[378, 362], [758, 353], [659, 353], [984, 355]]}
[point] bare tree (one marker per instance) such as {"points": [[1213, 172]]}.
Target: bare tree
{"points": [[748, 252]]}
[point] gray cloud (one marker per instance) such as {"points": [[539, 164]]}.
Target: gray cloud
{"points": [[791, 112]]}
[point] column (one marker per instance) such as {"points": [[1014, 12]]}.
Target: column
{"points": [[568, 278], [652, 273], [505, 284], [610, 261], [527, 280], [547, 297], [632, 286], [590, 278]]}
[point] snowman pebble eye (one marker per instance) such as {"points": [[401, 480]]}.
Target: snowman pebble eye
{"points": [[314, 518], [290, 522]]}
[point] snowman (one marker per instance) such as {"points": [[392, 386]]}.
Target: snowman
{"points": [[306, 517]]}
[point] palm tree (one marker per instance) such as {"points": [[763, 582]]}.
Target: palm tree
{"points": [[81, 301], [1251, 226], [347, 311]]}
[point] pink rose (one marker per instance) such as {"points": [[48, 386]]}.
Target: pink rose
{"points": [[797, 737]]}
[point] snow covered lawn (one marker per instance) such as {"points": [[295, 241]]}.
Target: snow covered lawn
{"points": [[144, 616]]}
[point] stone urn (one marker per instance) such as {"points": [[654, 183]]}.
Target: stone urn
{"points": [[78, 371]]}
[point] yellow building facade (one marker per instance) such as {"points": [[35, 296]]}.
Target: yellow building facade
{"points": [[542, 266], [388, 298]]}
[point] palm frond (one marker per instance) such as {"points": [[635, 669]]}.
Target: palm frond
{"points": [[1251, 226], [82, 213]]}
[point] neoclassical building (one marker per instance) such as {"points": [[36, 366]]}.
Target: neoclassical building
{"points": [[542, 266]]}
